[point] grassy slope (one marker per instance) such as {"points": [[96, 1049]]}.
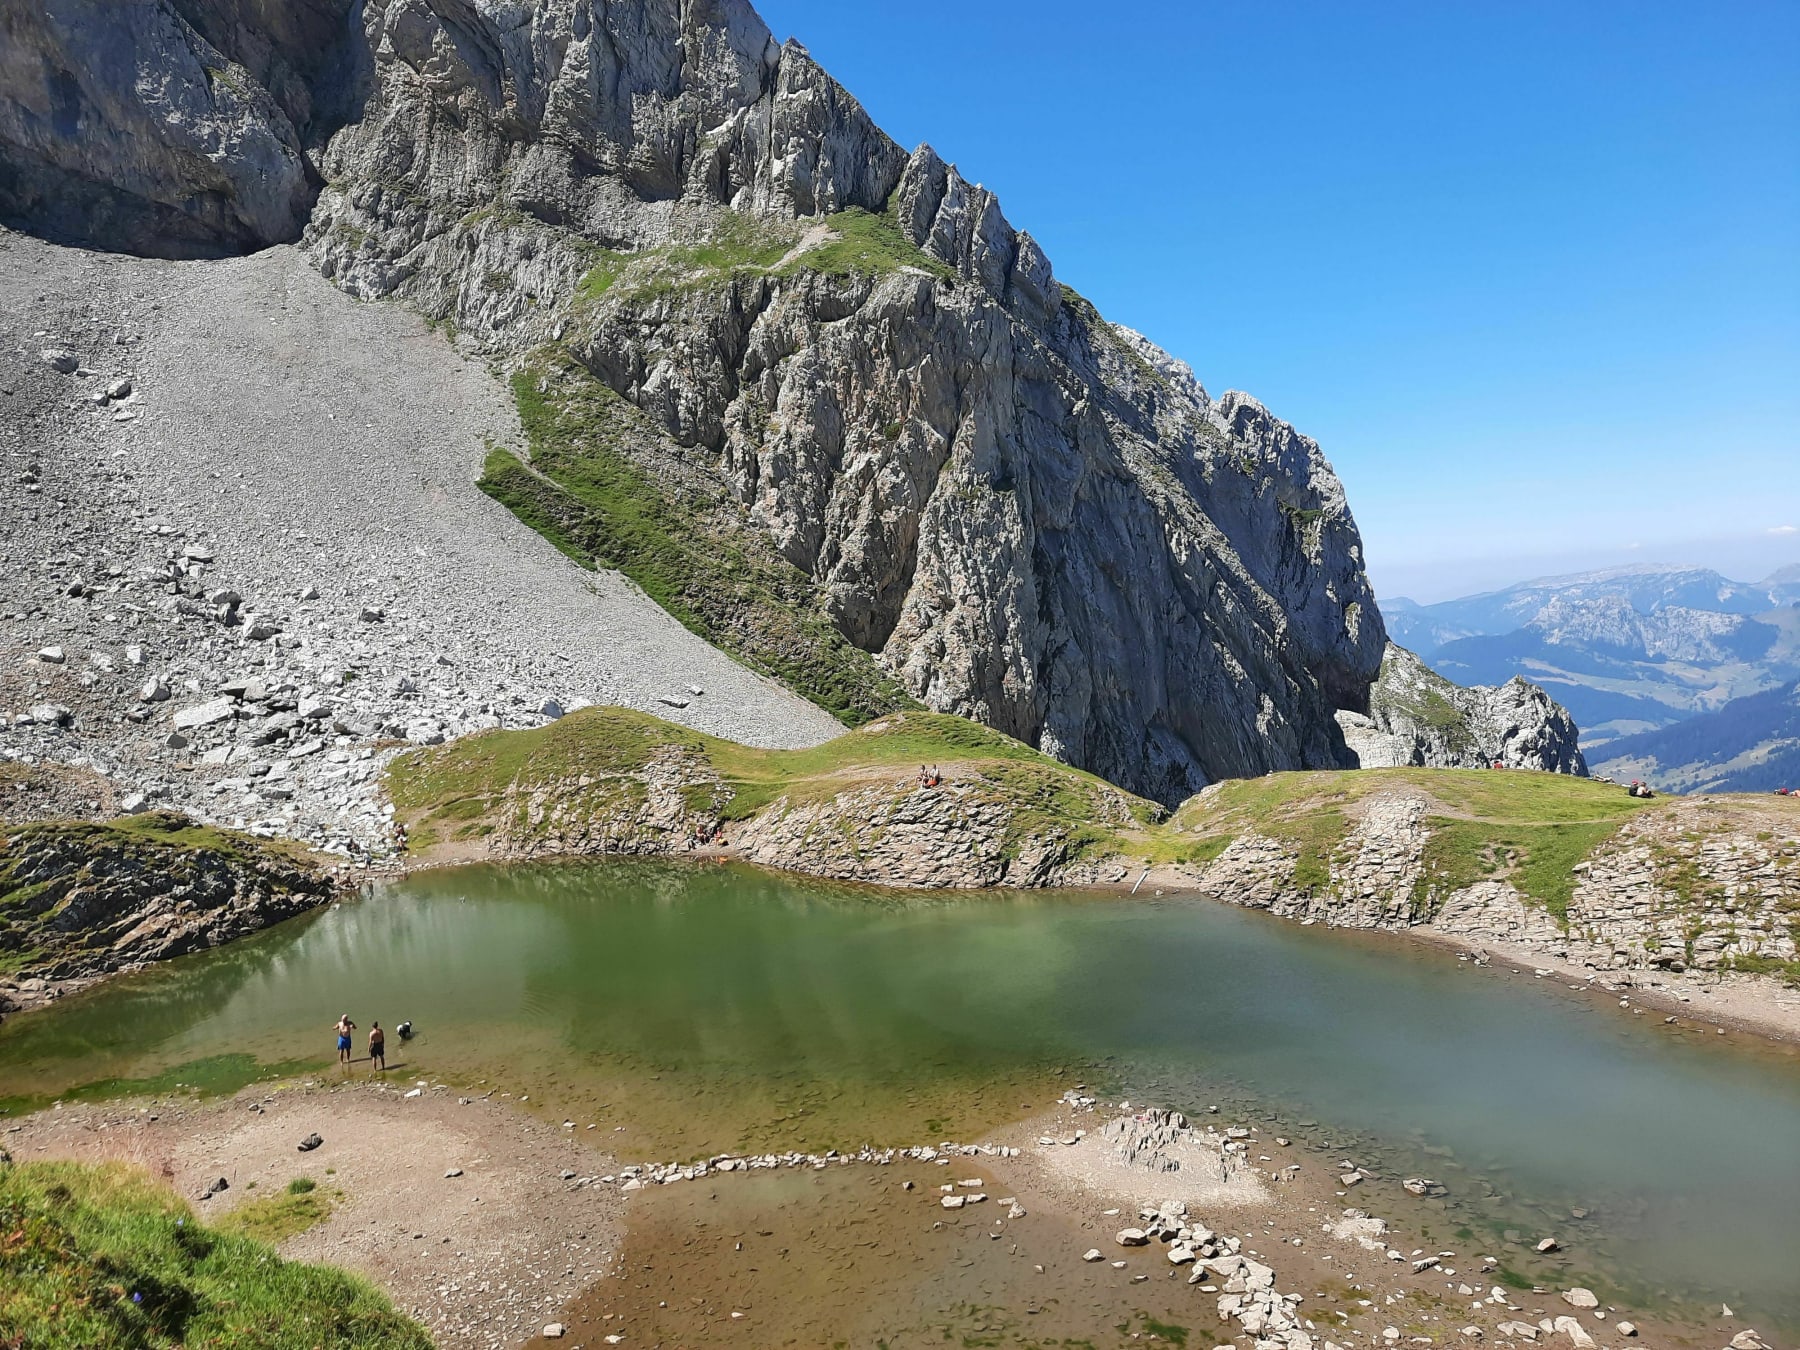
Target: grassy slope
{"points": [[449, 791], [585, 492], [101, 1257], [1530, 828], [156, 839]]}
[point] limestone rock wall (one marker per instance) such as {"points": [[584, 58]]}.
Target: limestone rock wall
{"points": [[122, 128], [82, 901], [1032, 517], [1416, 717], [1695, 885]]}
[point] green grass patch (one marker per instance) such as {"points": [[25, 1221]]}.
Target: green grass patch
{"points": [[868, 244], [723, 580], [735, 246], [1538, 859], [276, 1218], [102, 1257], [1168, 1331], [1754, 963]]}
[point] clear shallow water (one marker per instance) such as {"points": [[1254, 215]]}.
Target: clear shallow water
{"points": [[707, 1008]]}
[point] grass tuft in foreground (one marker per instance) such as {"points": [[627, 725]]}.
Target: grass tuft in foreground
{"points": [[93, 1258], [276, 1218]]}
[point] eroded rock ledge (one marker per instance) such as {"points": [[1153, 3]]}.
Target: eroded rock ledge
{"points": [[81, 900], [1707, 885]]}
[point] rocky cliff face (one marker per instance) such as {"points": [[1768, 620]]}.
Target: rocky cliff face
{"points": [[1026, 515], [1699, 885], [170, 128], [78, 901], [1416, 717]]}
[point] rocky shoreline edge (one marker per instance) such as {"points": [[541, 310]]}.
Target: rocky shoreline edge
{"points": [[536, 1217], [112, 897]]}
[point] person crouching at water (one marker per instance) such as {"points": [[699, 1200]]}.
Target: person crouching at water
{"points": [[344, 1027], [377, 1046]]}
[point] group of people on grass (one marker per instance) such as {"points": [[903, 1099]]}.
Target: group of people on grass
{"points": [[345, 1028]]}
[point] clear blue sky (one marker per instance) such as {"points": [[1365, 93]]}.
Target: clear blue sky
{"points": [[1530, 272]]}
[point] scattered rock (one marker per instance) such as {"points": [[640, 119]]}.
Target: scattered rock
{"points": [[1132, 1237], [553, 1331], [308, 1144], [453, 1172], [1093, 1254], [1580, 1298], [1549, 1245], [61, 360], [205, 714], [52, 656], [1577, 1333]]}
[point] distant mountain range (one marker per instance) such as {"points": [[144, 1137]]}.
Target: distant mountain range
{"points": [[1635, 653], [1752, 744]]}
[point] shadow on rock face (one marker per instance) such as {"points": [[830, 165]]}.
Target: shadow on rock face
{"points": [[176, 131]]}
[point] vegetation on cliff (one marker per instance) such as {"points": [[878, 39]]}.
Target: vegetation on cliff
{"points": [[587, 491], [83, 897], [612, 761], [102, 1256], [1529, 828]]}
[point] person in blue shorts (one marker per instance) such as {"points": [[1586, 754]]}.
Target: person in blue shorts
{"points": [[344, 1027]]}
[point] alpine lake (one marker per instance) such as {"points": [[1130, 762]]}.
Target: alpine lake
{"points": [[692, 1009]]}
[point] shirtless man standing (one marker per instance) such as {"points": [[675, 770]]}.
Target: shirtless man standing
{"points": [[344, 1027], [377, 1046]]}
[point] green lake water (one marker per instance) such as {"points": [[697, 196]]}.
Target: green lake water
{"points": [[690, 1009]]}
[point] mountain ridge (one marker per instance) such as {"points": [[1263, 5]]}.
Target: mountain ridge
{"points": [[858, 397]]}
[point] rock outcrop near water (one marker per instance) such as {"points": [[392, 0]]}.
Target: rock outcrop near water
{"points": [[1023, 513], [79, 901], [1704, 885], [608, 783], [1416, 717]]}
